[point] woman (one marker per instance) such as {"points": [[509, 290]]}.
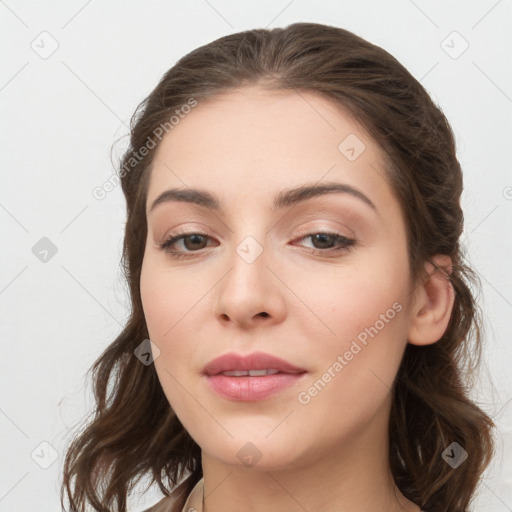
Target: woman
{"points": [[292, 249]]}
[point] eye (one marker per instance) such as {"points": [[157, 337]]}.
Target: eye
{"points": [[328, 242], [190, 243], [186, 244]]}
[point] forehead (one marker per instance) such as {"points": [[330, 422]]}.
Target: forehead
{"points": [[249, 143]]}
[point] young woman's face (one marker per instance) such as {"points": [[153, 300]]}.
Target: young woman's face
{"points": [[318, 280]]}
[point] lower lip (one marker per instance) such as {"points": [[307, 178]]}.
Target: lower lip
{"points": [[252, 389]]}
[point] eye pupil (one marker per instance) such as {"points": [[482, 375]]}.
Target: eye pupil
{"points": [[325, 240], [196, 239]]}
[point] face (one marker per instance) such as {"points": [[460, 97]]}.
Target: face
{"points": [[318, 280]]}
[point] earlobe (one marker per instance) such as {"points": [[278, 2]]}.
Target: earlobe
{"points": [[433, 303]]}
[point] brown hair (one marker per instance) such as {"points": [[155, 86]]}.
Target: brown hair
{"points": [[134, 431]]}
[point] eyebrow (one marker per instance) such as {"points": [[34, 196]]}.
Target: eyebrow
{"points": [[283, 199]]}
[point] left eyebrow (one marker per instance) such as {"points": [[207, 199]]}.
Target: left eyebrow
{"points": [[295, 195], [283, 199]]}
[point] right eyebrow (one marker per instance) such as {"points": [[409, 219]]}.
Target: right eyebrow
{"points": [[187, 195]]}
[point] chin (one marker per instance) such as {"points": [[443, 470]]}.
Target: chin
{"points": [[254, 456]]}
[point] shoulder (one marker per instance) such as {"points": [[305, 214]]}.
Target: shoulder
{"points": [[168, 503], [164, 505]]}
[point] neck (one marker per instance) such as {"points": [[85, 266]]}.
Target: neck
{"points": [[353, 477]]}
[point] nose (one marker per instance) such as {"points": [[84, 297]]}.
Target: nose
{"points": [[250, 293]]}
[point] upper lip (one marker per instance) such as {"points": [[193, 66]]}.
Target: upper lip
{"points": [[255, 361]]}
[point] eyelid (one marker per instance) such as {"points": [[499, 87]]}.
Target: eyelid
{"points": [[185, 230], [302, 232], [292, 235]]}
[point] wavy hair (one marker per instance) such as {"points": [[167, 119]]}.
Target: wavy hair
{"points": [[134, 433]]}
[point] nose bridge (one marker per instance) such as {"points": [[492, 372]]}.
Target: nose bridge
{"points": [[250, 248], [248, 273], [247, 290]]}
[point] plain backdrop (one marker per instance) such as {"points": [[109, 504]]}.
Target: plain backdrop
{"points": [[72, 74]]}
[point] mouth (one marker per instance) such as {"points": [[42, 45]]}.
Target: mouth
{"points": [[250, 378], [237, 365], [251, 373]]}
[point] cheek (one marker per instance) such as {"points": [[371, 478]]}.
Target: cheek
{"points": [[167, 297], [163, 308], [354, 369], [172, 302], [350, 298], [364, 324]]}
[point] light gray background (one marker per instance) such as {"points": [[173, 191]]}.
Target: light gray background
{"points": [[62, 112]]}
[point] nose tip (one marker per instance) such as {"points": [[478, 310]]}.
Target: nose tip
{"points": [[249, 294]]}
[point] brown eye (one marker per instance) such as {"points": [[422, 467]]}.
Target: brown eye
{"points": [[323, 240], [327, 243], [185, 244], [196, 242]]}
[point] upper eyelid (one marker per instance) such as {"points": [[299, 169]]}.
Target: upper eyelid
{"points": [[300, 232], [313, 231]]}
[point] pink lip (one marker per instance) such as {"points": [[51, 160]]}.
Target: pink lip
{"points": [[255, 361], [247, 388]]}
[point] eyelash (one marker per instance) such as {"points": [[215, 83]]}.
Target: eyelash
{"points": [[348, 244]]}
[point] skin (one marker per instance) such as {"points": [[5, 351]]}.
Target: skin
{"points": [[331, 453]]}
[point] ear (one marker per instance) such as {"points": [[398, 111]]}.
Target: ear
{"points": [[433, 303]]}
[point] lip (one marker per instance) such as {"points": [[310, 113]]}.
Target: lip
{"points": [[248, 388]]}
